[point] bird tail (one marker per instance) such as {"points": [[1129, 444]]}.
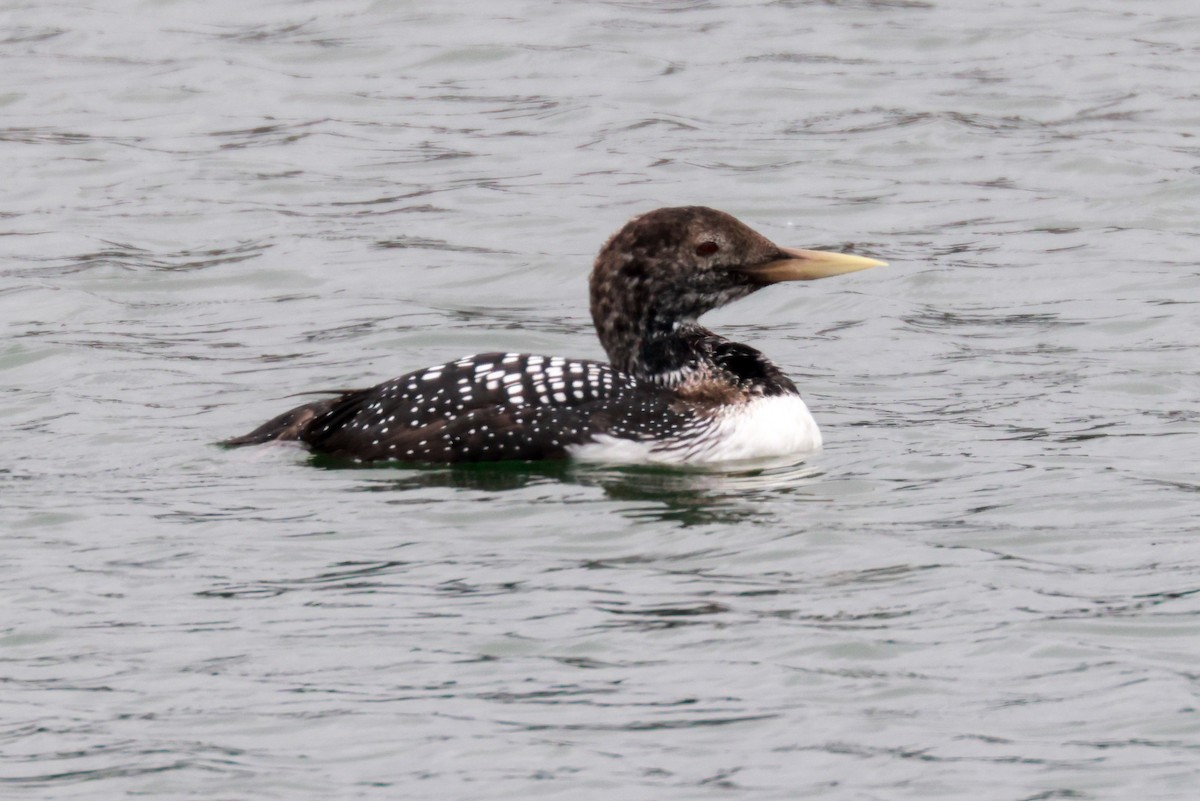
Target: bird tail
{"points": [[290, 425]]}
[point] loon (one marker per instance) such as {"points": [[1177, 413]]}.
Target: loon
{"points": [[673, 393]]}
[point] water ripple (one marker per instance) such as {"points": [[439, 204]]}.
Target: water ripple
{"points": [[991, 569]]}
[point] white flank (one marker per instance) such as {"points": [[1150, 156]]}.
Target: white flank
{"points": [[762, 428]]}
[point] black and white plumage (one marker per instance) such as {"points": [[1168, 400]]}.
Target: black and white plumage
{"points": [[674, 393]]}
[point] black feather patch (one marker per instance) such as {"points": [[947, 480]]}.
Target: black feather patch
{"points": [[487, 407]]}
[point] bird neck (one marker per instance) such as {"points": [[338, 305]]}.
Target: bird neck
{"points": [[645, 340], [685, 353], [669, 353]]}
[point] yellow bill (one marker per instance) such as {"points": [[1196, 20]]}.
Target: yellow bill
{"points": [[809, 265]]}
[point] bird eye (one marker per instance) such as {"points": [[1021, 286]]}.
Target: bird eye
{"points": [[707, 248]]}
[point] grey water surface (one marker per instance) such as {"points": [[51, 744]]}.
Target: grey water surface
{"points": [[986, 587]]}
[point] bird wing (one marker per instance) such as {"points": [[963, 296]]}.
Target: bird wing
{"points": [[490, 406]]}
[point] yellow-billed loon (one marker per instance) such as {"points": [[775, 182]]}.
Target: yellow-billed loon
{"points": [[674, 392]]}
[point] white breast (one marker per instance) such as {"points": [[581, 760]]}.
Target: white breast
{"points": [[762, 428]]}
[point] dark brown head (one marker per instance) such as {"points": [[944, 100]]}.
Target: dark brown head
{"points": [[667, 267]]}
